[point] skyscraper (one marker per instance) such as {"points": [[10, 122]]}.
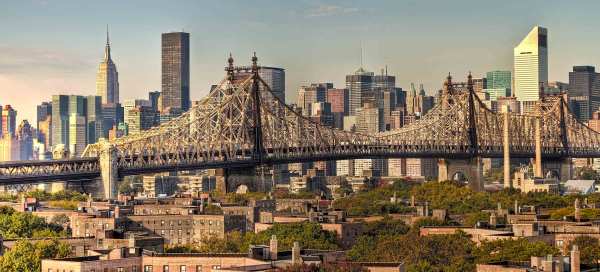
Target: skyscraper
{"points": [[25, 138], [9, 121], [175, 94], [358, 84], [73, 112], [107, 79], [498, 80], [307, 95], [275, 79], [584, 91], [531, 66], [498, 84], [43, 111]]}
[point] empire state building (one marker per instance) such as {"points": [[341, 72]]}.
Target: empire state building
{"points": [[107, 80]]}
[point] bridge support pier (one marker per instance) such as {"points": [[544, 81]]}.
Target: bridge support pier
{"points": [[471, 169], [562, 168], [252, 178], [109, 172]]}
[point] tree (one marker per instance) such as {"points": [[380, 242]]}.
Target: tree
{"points": [[589, 248], [586, 173], [308, 234], [518, 250], [25, 225], [27, 257], [386, 226]]}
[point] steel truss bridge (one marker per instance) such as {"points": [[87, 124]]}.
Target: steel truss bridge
{"points": [[242, 124]]}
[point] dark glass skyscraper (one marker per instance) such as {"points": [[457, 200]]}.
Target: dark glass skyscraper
{"points": [[584, 91], [175, 94]]}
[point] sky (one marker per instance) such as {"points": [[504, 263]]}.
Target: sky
{"points": [[54, 47]]}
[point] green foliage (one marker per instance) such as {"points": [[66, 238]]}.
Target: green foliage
{"points": [[27, 257], [61, 195], [212, 209], [375, 201], [589, 248], [233, 242], [518, 250], [569, 211], [64, 204], [386, 226], [126, 187], [431, 222], [329, 267], [472, 218], [586, 173], [25, 225], [309, 235], [421, 253], [284, 194]]}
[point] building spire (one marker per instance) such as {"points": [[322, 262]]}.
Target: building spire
{"points": [[107, 47]]}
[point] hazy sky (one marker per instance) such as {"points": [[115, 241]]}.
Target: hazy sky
{"points": [[51, 47]]}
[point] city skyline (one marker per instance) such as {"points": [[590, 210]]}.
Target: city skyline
{"points": [[408, 42]]}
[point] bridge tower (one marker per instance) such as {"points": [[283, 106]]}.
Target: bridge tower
{"points": [[109, 172], [472, 167], [506, 146]]}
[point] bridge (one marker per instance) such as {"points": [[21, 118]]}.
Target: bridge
{"points": [[241, 124]]}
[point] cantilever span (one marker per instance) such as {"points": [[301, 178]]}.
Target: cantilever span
{"points": [[242, 124]]}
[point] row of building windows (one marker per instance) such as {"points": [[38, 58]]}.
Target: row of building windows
{"points": [[182, 268]]}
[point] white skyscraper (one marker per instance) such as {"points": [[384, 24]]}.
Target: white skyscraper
{"points": [[531, 66], [107, 80]]}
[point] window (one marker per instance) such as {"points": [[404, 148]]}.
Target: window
{"points": [[119, 269], [165, 268], [183, 268], [198, 268], [134, 269], [148, 268]]}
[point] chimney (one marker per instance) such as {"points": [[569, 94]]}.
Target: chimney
{"points": [[273, 248], [575, 262], [296, 259], [131, 241], [516, 206], [117, 211], [493, 219]]}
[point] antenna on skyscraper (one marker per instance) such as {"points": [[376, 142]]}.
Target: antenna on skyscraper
{"points": [[361, 54], [107, 38]]}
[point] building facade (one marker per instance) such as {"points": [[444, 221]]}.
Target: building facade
{"points": [[531, 67], [358, 84], [175, 71], [9, 121], [107, 79], [584, 91]]}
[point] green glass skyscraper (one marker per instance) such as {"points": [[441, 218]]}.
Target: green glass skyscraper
{"points": [[498, 84]]}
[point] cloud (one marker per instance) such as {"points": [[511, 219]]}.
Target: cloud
{"points": [[23, 60], [329, 10]]}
